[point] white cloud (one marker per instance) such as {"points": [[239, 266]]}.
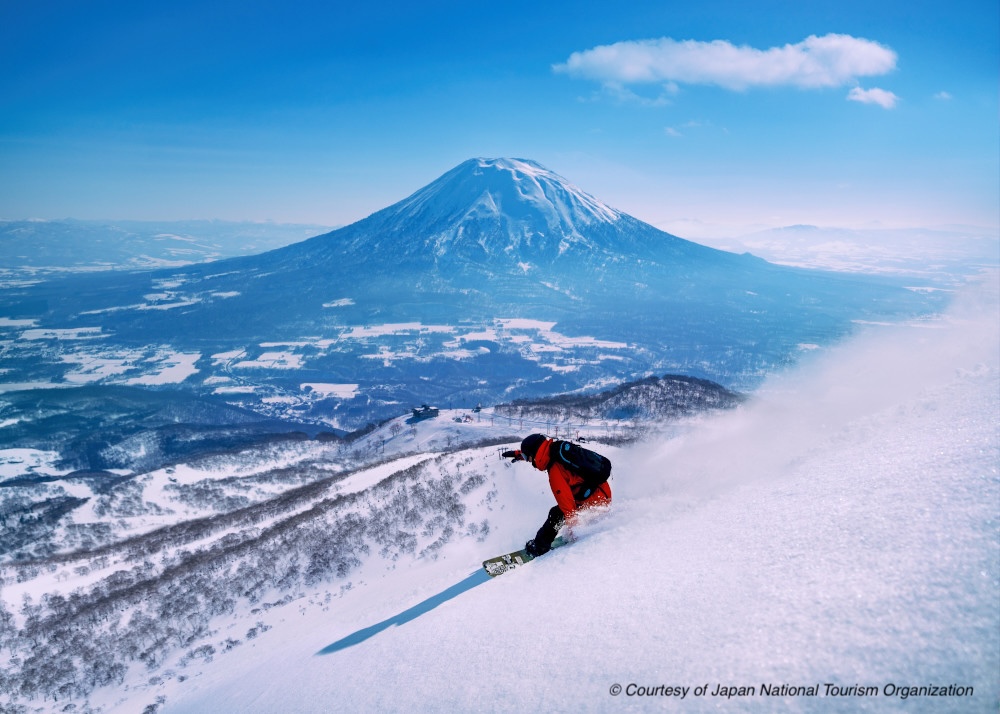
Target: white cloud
{"points": [[829, 61], [943, 96], [885, 99], [675, 131], [624, 95]]}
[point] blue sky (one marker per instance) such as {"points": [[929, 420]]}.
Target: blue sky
{"points": [[697, 117]]}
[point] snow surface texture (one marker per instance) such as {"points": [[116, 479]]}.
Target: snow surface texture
{"points": [[515, 187], [841, 528]]}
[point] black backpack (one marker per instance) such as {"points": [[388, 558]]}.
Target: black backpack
{"points": [[592, 467]]}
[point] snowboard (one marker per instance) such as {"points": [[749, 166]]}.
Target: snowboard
{"points": [[502, 563]]}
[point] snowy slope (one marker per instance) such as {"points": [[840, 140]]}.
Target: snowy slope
{"points": [[839, 529]]}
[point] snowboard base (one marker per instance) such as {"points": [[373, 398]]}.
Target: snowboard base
{"points": [[509, 561]]}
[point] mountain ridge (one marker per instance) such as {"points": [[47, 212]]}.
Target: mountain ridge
{"points": [[652, 399]]}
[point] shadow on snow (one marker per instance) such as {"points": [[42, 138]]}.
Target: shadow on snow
{"points": [[476, 578]]}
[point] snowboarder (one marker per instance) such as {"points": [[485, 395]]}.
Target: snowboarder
{"points": [[574, 489]]}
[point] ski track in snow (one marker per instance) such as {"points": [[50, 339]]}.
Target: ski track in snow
{"points": [[840, 528]]}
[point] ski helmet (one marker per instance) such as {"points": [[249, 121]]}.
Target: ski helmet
{"points": [[530, 444]]}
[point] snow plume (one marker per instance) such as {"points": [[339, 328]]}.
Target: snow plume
{"points": [[829, 61], [809, 409]]}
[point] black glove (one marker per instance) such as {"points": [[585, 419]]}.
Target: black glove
{"points": [[535, 550], [512, 455]]}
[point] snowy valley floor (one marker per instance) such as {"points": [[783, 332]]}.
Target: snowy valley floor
{"points": [[840, 529]]}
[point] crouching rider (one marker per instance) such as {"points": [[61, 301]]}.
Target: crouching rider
{"points": [[577, 477]]}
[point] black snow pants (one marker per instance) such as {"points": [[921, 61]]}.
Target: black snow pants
{"points": [[547, 533]]}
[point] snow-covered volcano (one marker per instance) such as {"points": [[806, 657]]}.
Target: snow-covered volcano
{"points": [[488, 236], [498, 280], [490, 216]]}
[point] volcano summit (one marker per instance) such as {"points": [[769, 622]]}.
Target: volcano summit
{"points": [[499, 280]]}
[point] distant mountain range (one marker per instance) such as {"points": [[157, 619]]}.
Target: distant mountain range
{"points": [[72, 245], [947, 255], [499, 280]]}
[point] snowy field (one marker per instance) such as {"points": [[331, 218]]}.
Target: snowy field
{"points": [[829, 547]]}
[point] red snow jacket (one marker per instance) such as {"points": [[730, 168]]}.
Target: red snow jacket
{"points": [[566, 486]]}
